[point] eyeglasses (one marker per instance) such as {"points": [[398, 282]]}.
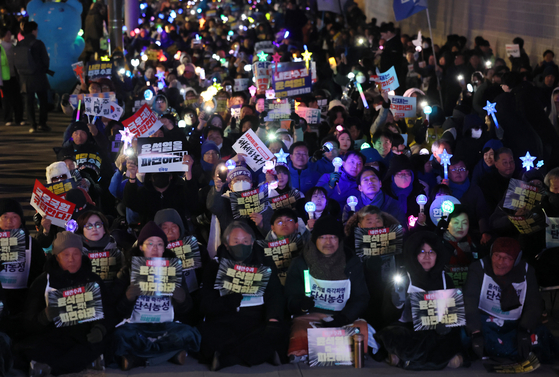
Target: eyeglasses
{"points": [[90, 226], [429, 253], [460, 170]]}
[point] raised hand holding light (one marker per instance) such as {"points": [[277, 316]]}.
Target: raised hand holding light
{"points": [[490, 108], [445, 161], [337, 162]]}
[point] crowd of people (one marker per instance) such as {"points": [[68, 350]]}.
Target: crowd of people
{"points": [[441, 183]]}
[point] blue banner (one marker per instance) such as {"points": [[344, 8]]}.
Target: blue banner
{"points": [[406, 8]]}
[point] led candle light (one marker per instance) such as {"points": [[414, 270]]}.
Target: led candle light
{"points": [[352, 202], [310, 207], [338, 162]]}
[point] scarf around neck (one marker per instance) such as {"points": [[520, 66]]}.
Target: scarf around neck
{"points": [[458, 190], [323, 267]]}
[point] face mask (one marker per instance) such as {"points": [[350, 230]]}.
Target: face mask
{"points": [[240, 252], [241, 186], [360, 79], [476, 134], [160, 181]]}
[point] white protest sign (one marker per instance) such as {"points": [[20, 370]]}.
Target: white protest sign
{"points": [[240, 85], [143, 123], [158, 155], [513, 50], [255, 151], [330, 294], [312, 116], [404, 107], [266, 46], [552, 232], [94, 105], [388, 80], [50, 206]]}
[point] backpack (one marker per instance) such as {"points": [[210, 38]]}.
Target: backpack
{"points": [[23, 60]]}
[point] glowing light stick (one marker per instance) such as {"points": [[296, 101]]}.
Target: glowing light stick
{"points": [[365, 146], [268, 166], [352, 202], [252, 90], [79, 106], [412, 220], [338, 162], [447, 207], [307, 277], [490, 108], [527, 161], [310, 207], [71, 225], [281, 156], [362, 95], [230, 164], [445, 161], [421, 200]]}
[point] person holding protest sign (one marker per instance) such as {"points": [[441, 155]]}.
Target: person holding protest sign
{"points": [[99, 246], [18, 274], [422, 349], [325, 265], [243, 321], [503, 304], [126, 166], [370, 193], [69, 333], [140, 308], [378, 268]]}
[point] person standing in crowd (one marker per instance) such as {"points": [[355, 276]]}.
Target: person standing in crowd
{"points": [[32, 61], [11, 98]]}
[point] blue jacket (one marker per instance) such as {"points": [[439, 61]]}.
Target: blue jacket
{"points": [[384, 202], [346, 187], [307, 178], [116, 188]]}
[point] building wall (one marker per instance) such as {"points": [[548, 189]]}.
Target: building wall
{"points": [[498, 21]]}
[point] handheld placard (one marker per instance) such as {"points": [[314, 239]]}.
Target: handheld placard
{"points": [[337, 162], [307, 283], [445, 161], [352, 202], [310, 207], [421, 200]]}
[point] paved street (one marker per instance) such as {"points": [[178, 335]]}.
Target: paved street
{"points": [[24, 157]]}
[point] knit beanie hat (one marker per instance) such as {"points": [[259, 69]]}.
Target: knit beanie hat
{"points": [[506, 245], [239, 170], [151, 230], [65, 240], [78, 126], [398, 163], [11, 205], [326, 225], [57, 169], [209, 146], [169, 214]]}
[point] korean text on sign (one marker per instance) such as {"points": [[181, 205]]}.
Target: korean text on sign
{"points": [[54, 208], [143, 123]]}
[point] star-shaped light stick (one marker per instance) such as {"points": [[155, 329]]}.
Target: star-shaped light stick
{"points": [[276, 58], [282, 157], [528, 161], [262, 56], [160, 76], [490, 108], [127, 137], [445, 161], [79, 72], [539, 164], [307, 56]]}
